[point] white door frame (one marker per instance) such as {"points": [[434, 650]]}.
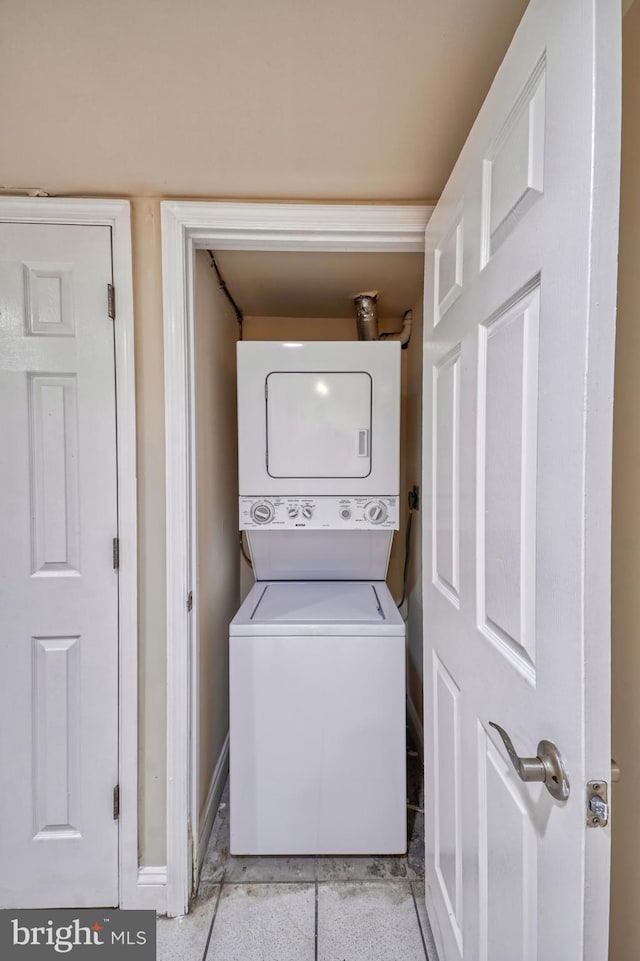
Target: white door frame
{"points": [[187, 227], [116, 215]]}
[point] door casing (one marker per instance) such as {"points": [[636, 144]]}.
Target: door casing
{"points": [[186, 227]]}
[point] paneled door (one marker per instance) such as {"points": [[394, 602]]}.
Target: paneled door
{"points": [[519, 342], [58, 585]]}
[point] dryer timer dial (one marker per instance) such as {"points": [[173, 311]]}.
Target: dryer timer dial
{"points": [[262, 512], [375, 512]]}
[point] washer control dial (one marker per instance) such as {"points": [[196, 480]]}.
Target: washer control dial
{"points": [[307, 512], [293, 510], [375, 512], [262, 512]]}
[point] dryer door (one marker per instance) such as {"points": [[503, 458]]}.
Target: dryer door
{"points": [[319, 424]]}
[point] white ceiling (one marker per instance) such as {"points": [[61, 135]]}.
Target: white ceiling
{"points": [[285, 99], [279, 284]]}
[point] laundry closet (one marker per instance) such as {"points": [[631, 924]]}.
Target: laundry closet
{"points": [[285, 297]]}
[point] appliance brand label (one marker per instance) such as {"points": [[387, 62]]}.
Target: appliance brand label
{"points": [[100, 934]]}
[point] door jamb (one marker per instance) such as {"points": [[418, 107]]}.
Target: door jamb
{"points": [[116, 215], [186, 227]]}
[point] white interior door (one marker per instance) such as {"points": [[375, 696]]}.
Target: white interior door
{"points": [[519, 339], [58, 588]]}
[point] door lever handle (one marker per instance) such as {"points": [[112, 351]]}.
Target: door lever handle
{"points": [[547, 767]]}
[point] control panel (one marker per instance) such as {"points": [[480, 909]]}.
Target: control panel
{"points": [[319, 513]]}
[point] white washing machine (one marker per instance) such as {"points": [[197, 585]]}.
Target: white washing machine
{"points": [[317, 722], [317, 650]]}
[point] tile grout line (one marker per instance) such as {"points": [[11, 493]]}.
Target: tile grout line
{"points": [[415, 904], [215, 912], [315, 954], [329, 880]]}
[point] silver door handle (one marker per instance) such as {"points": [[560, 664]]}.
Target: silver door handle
{"points": [[547, 767]]}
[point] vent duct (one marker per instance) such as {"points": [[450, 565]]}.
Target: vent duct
{"points": [[366, 306]]}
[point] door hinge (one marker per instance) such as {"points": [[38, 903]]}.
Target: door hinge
{"points": [[111, 301], [116, 802], [116, 553], [597, 804], [190, 601]]}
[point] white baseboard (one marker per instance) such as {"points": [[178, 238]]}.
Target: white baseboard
{"points": [[212, 802], [415, 725]]}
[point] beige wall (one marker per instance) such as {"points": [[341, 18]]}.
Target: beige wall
{"points": [[217, 583], [242, 98], [299, 328], [149, 362], [625, 888]]}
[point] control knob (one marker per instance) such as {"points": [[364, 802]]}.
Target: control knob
{"points": [[307, 512], [375, 512], [293, 510], [262, 512]]}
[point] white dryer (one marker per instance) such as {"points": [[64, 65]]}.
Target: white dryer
{"points": [[319, 418], [318, 457], [318, 720]]}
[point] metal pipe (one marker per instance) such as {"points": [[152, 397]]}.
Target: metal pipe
{"points": [[404, 334], [366, 306]]}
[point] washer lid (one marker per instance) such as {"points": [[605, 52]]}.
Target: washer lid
{"points": [[318, 602]]}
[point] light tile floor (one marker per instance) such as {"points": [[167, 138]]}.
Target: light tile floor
{"points": [[307, 909]]}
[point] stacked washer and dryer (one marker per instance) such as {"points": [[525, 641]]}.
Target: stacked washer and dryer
{"points": [[317, 649]]}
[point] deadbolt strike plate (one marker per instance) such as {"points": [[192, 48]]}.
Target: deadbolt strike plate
{"points": [[597, 804]]}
